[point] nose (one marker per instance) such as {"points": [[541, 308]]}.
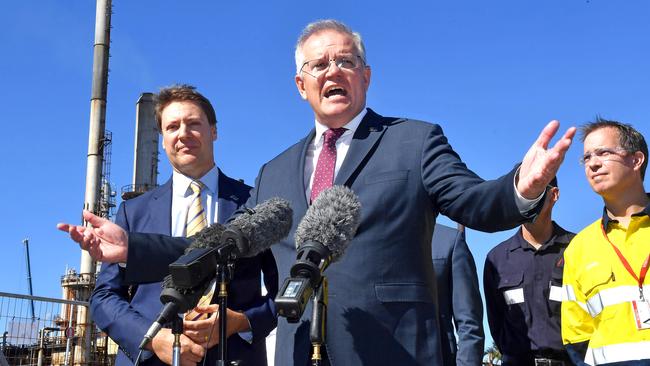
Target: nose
{"points": [[332, 68], [594, 163], [183, 130]]}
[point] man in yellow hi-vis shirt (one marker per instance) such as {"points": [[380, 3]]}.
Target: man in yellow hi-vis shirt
{"points": [[606, 309]]}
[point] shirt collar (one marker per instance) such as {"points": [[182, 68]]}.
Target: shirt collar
{"points": [[181, 183], [351, 126], [607, 220], [559, 237]]}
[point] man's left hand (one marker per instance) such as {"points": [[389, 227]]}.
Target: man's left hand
{"points": [[541, 163], [207, 330]]}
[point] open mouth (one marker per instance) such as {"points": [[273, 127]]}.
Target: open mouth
{"points": [[336, 90]]}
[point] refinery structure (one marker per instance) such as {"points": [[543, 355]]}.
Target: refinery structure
{"points": [[46, 331]]}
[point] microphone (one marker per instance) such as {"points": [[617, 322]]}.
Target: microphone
{"points": [[176, 300], [247, 235], [322, 237], [208, 237]]}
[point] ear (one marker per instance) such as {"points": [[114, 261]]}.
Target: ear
{"points": [[639, 160], [555, 194], [300, 84], [213, 131], [366, 76]]}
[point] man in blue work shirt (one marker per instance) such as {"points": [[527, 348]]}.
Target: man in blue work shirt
{"points": [[523, 291]]}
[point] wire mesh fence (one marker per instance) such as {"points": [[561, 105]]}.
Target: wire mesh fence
{"points": [[45, 331]]}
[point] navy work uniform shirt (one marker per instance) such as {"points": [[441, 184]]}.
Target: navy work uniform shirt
{"points": [[523, 297]]}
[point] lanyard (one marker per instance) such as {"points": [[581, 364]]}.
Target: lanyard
{"points": [[626, 264]]}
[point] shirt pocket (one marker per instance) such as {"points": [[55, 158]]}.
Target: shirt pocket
{"points": [[595, 279], [593, 284], [390, 176], [511, 287], [403, 292]]}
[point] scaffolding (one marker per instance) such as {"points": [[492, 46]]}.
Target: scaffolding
{"points": [[48, 337]]}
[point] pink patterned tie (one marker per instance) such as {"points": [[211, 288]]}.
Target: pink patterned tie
{"points": [[324, 174]]}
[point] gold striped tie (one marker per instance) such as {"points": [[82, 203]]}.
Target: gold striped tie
{"points": [[196, 221], [195, 214]]}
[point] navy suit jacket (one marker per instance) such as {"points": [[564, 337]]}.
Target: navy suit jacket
{"points": [[459, 298], [126, 321], [382, 292]]}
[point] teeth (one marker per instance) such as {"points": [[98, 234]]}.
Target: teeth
{"points": [[334, 90]]}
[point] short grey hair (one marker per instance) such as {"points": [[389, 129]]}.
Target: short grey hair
{"points": [[323, 25]]}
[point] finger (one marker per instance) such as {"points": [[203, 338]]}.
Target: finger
{"points": [[76, 234], [188, 358], [93, 219], [95, 250], [198, 324], [547, 134], [197, 350], [213, 308], [562, 145], [186, 362], [63, 226]]}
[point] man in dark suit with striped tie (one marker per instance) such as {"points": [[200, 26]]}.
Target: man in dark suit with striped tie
{"points": [[197, 194]]}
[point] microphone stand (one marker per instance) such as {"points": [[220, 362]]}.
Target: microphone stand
{"points": [[177, 330], [318, 322], [225, 271]]}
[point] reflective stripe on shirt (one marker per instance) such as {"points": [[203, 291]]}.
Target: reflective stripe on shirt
{"points": [[618, 353], [569, 294], [611, 296]]}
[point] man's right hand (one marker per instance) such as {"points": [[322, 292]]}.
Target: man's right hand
{"points": [[104, 240], [162, 343]]}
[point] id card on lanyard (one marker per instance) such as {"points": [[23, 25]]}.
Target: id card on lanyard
{"points": [[640, 307]]}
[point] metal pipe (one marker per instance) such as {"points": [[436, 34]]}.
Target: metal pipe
{"points": [[94, 161], [29, 277]]}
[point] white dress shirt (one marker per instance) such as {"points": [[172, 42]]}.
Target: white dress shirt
{"points": [[182, 198], [316, 145]]}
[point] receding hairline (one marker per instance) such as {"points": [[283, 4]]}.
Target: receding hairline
{"points": [[321, 26]]}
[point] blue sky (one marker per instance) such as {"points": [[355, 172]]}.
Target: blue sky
{"points": [[491, 73]]}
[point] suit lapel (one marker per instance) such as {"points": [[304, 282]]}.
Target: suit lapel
{"points": [[299, 183], [228, 200], [366, 136], [161, 209]]}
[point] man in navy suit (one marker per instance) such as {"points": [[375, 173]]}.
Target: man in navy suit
{"points": [[187, 123], [459, 298], [382, 292]]}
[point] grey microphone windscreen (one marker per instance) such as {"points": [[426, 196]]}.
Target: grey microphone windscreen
{"points": [[264, 225], [208, 237], [332, 220]]}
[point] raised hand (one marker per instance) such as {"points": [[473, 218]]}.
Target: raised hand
{"points": [[104, 240], [541, 163]]}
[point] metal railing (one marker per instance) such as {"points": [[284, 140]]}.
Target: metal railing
{"points": [[49, 335]]}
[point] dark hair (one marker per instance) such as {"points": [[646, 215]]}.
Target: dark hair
{"points": [[183, 93], [629, 138]]}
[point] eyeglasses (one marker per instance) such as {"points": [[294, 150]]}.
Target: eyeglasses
{"points": [[318, 67], [602, 154]]}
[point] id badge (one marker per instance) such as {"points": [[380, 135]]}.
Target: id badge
{"points": [[641, 311]]}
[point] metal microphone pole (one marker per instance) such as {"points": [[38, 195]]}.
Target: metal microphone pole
{"points": [[318, 322], [225, 271], [177, 330]]}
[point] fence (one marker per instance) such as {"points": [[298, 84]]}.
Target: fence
{"points": [[43, 331]]}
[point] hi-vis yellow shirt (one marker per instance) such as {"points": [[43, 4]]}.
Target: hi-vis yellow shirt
{"points": [[599, 292]]}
